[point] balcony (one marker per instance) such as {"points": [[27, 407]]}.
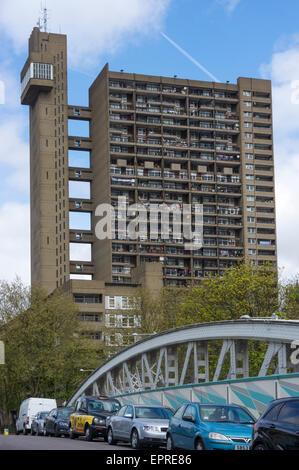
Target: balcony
{"points": [[80, 236], [38, 78], [80, 205], [80, 174], [81, 113], [81, 267], [79, 143], [123, 181]]}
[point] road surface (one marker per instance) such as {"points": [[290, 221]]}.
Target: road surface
{"points": [[21, 442]]}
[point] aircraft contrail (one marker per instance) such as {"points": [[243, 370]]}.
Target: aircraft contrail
{"points": [[215, 79]]}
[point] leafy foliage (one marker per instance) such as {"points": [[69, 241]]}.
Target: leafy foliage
{"points": [[44, 350]]}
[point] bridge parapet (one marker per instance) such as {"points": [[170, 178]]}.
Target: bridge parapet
{"points": [[183, 355]]}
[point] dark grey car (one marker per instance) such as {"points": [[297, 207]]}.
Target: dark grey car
{"points": [[140, 425]]}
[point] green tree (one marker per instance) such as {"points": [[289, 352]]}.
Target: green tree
{"points": [[241, 290], [44, 349]]}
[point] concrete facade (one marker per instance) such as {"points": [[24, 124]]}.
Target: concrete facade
{"points": [[152, 140]]}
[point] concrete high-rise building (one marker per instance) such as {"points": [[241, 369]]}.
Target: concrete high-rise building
{"points": [[152, 140]]}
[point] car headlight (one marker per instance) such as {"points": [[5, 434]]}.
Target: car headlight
{"points": [[99, 421], [218, 437], [151, 428]]}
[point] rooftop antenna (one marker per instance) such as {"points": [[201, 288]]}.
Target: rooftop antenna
{"points": [[45, 18], [42, 22]]}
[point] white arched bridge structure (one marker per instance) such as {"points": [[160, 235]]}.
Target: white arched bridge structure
{"points": [[205, 362]]}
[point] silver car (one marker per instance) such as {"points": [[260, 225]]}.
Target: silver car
{"points": [[38, 423], [140, 425]]}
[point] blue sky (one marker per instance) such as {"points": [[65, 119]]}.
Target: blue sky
{"points": [[230, 38]]}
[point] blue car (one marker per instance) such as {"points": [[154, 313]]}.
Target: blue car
{"points": [[197, 426]]}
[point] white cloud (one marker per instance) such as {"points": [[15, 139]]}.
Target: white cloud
{"points": [[14, 242], [284, 70], [14, 156], [94, 27], [229, 5]]}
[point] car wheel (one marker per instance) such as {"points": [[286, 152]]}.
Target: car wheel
{"points": [[88, 434], [110, 438], [259, 446], [32, 432], [199, 445], [73, 435], [135, 441], [169, 443], [56, 433]]}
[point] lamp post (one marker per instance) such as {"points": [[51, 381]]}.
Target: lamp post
{"points": [[2, 353]]}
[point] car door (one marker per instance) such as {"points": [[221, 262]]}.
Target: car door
{"points": [[116, 421], [175, 427], [188, 427], [81, 412], [267, 426], [287, 426], [50, 421], [126, 424]]}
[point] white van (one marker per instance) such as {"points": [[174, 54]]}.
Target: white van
{"points": [[29, 409]]}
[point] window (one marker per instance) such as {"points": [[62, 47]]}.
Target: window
{"points": [[179, 412], [249, 167], [38, 71], [248, 135], [249, 156], [92, 317], [122, 411], [247, 114], [247, 124], [251, 220], [190, 411], [88, 298], [251, 252], [248, 145], [290, 413], [251, 230], [252, 241], [250, 198], [246, 93], [247, 104], [249, 187], [249, 177], [272, 413], [118, 302]]}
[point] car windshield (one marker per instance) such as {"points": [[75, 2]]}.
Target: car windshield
{"points": [[227, 414], [64, 413], [152, 413], [43, 415], [96, 406]]}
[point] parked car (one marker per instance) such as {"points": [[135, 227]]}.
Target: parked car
{"points": [[140, 425], [57, 422], [278, 427], [38, 423], [89, 417], [210, 426], [29, 409]]}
